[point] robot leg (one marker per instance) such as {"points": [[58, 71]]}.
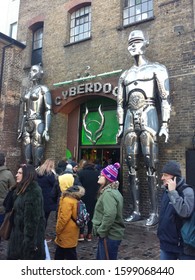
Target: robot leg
{"points": [[153, 217], [27, 148], [134, 187], [150, 151], [38, 155], [28, 153]]}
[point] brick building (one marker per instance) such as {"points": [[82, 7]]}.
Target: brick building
{"points": [[11, 72], [82, 45]]}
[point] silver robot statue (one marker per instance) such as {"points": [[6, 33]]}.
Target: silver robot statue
{"points": [[141, 89], [35, 121]]}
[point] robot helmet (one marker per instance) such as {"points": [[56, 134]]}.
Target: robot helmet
{"points": [[137, 35]]}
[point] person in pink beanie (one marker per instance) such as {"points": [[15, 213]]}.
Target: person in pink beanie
{"points": [[107, 220]]}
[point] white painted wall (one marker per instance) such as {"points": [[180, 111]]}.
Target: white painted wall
{"points": [[9, 10]]}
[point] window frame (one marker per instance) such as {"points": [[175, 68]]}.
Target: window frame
{"points": [[13, 30], [37, 43], [80, 20], [143, 11]]}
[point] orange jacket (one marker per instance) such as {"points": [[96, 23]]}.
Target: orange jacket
{"points": [[67, 232]]}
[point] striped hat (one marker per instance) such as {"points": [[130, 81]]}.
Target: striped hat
{"points": [[111, 172]]}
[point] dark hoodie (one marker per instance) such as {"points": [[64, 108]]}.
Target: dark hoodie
{"points": [[175, 206]]}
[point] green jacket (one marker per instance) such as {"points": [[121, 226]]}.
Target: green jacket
{"points": [[6, 181], [108, 215]]}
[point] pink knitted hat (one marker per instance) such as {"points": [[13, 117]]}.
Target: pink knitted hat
{"points": [[111, 171]]}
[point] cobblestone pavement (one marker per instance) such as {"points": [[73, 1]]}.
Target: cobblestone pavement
{"points": [[139, 243]]}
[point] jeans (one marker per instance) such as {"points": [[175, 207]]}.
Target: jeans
{"points": [[174, 256], [112, 246]]}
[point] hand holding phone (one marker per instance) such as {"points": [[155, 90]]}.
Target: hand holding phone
{"points": [[171, 184]]}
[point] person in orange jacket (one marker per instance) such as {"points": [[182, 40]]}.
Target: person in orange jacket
{"points": [[67, 231]]}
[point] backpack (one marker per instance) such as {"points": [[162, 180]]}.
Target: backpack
{"points": [[188, 227], [82, 215]]}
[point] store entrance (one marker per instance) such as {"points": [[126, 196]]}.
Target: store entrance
{"points": [[104, 156]]}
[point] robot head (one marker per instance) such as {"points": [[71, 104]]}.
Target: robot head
{"points": [[36, 72], [138, 35]]}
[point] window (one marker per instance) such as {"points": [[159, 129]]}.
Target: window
{"points": [[80, 24], [13, 30], [137, 10], [37, 46]]}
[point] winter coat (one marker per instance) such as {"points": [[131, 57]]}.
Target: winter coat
{"points": [[174, 208], [28, 233], [47, 182], [108, 215], [88, 176], [6, 181], [67, 232]]}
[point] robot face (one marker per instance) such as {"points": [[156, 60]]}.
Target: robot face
{"points": [[137, 42], [137, 47], [36, 72]]}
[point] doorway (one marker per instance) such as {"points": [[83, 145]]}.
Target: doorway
{"points": [[104, 155]]}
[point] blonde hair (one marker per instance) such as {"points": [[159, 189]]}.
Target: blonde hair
{"points": [[47, 167], [81, 163]]}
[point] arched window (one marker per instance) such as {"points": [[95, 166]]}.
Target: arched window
{"points": [[80, 24], [37, 46], [137, 10]]}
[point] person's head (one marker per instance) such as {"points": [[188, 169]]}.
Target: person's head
{"points": [[2, 159], [75, 191], [170, 170], [69, 168], [24, 176], [82, 163], [36, 72], [109, 174], [137, 43], [74, 166], [47, 167]]}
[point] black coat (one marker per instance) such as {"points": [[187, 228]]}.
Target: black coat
{"points": [[88, 176], [47, 182], [28, 232]]}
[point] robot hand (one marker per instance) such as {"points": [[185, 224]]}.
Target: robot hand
{"points": [[164, 131], [119, 133], [20, 133], [46, 135]]}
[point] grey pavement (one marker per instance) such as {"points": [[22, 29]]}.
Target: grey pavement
{"points": [[139, 243]]}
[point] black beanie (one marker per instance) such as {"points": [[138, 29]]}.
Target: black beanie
{"points": [[172, 167]]}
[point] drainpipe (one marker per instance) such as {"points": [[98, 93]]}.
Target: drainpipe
{"points": [[2, 65]]}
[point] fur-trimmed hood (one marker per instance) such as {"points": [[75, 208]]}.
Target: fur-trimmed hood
{"points": [[75, 191]]}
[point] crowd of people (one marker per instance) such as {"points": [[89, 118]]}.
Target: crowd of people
{"points": [[35, 192]]}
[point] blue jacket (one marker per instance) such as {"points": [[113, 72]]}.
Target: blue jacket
{"points": [[175, 206]]}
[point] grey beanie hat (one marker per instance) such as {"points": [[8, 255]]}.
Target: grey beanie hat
{"points": [[172, 167], [69, 168]]}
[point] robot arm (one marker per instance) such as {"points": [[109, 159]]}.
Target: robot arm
{"points": [[48, 104], [120, 109], [22, 119], [163, 87]]}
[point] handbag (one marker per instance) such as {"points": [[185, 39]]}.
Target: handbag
{"points": [[6, 227]]}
